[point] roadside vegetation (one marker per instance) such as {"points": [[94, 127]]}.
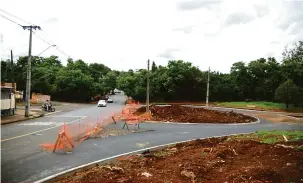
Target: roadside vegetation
{"points": [[271, 137], [263, 79], [258, 80], [76, 82], [261, 105]]}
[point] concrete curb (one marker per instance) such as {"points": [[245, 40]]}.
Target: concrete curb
{"points": [[80, 168]]}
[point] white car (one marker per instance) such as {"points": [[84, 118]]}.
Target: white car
{"points": [[110, 100], [102, 103]]}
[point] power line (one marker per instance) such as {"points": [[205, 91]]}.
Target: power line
{"points": [[61, 51], [11, 20], [47, 42], [16, 17], [51, 43]]}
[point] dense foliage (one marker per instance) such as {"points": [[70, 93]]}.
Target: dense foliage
{"points": [[257, 80], [261, 79], [77, 81]]}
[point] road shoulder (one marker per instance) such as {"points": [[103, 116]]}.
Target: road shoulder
{"points": [[19, 116]]}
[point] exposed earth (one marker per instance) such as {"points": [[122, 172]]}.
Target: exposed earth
{"points": [[260, 157], [178, 113]]}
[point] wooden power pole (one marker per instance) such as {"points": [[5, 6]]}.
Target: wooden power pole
{"points": [[147, 87], [28, 78]]}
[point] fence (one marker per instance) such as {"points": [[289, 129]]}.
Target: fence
{"points": [[72, 134]]}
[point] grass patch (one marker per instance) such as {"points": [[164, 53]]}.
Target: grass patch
{"points": [[161, 153], [299, 148], [261, 105], [271, 137], [204, 154]]}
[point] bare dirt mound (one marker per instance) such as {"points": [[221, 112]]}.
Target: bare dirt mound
{"points": [[178, 113], [212, 160]]}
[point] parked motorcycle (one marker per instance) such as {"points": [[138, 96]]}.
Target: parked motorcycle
{"points": [[50, 108]]}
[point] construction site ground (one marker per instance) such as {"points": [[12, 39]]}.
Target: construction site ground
{"points": [[275, 156], [179, 113]]}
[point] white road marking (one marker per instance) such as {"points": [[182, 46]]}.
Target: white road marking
{"points": [[65, 116], [51, 113], [40, 130], [38, 134], [38, 123]]}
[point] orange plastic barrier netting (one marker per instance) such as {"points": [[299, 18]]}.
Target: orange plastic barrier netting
{"points": [[128, 115], [72, 134]]}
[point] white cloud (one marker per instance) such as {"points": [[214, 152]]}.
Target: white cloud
{"points": [[124, 34], [168, 53]]}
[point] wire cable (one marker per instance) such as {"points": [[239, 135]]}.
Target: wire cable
{"points": [[16, 17], [11, 20], [47, 42], [50, 43]]}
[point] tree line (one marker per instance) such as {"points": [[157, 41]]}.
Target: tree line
{"points": [[77, 81], [264, 79]]}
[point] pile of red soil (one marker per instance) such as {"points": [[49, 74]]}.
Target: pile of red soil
{"points": [[214, 160], [178, 113]]}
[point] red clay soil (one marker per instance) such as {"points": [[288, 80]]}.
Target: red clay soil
{"points": [[178, 113], [214, 160]]}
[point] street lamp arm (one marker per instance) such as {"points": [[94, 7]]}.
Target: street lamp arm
{"points": [[47, 49]]}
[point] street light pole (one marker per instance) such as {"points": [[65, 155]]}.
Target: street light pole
{"points": [[47, 49], [207, 92], [147, 87]]}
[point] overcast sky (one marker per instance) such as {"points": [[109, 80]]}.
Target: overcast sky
{"points": [[123, 34]]}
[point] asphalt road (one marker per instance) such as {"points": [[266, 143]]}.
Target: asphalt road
{"points": [[23, 160], [20, 150]]}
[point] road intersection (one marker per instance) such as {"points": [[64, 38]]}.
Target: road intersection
{"points": [[23, 160]]}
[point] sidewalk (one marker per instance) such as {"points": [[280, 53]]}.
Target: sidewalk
{"points": [[19, 116]]}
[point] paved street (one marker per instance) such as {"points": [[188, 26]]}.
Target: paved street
{"points": [[20, 141], [23, 159]]}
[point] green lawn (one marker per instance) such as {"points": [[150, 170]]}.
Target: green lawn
{"points": [[257, 105], [271, 137]]}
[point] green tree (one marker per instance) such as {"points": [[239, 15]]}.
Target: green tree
{"points": [[288, 93], [6, 69], [98, 71], [241, 79], [154, 67], [73, 85], [292, 63], [109, 82]]}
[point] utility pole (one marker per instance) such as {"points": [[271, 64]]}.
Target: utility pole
{"points": [[12, 69], [147, 87], [28, 79], [207, 92], [13, 76]]}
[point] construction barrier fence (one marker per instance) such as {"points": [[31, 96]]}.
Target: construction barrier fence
{"points": [[72, 134]]}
